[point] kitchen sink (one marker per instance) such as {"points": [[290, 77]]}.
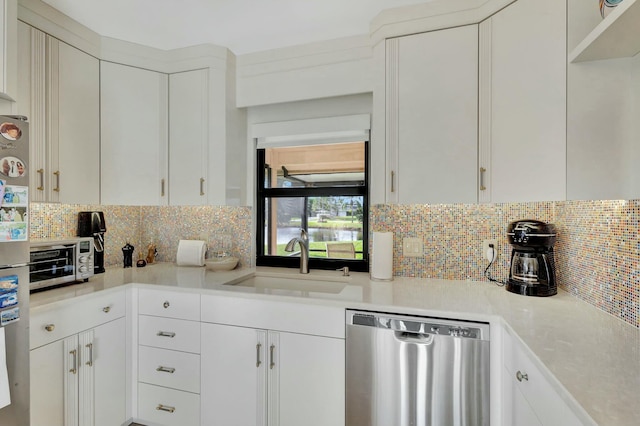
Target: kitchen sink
{"points": [[293, 283], [321, 286]]}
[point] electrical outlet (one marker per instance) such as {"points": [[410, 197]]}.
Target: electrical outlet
{"points": [[412, 247], [485, 249]]}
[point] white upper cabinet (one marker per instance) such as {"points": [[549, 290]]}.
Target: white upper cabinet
{"points": [[432, 117], [8, 49], [188, 137], [78, 125], [59, 91], [523, 103], [134, 133]]}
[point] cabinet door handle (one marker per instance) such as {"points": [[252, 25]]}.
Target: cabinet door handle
{"points": [[162, 187], [201, 186], [166, 334], [169, 370], [74, 366], [272, 361], [166, 304], [57, 175], [166, 408], [522, 376], [258, 361], [393, 181], [41, 177], [482, 172], [90, 362]]}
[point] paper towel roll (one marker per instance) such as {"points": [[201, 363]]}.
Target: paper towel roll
{"points": [[5, 396], [191, 253], [382, 256]]}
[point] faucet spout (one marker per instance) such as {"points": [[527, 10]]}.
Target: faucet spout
{"points": [[303, 241]]}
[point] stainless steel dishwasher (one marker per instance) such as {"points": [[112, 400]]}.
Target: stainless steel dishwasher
{"points": [[416, 371]]}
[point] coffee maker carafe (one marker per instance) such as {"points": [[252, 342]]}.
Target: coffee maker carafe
{"points": [[91, 224], [532, 271]]}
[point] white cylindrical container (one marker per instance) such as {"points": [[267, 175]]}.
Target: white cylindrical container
{"points": [[382, 256]]}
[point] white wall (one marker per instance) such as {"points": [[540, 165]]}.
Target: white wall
{"points": [[311, 71]]}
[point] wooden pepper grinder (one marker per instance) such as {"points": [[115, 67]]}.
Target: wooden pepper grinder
{"points": [[152, 252]]}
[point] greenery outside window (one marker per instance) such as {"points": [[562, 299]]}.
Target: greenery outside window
{"points": [[319, 188]]}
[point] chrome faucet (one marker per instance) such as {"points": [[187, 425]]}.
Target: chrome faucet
{"points": [[303, 240]]}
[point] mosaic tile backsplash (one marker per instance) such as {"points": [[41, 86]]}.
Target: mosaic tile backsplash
{"points": [[225, 228], [597, 250]]}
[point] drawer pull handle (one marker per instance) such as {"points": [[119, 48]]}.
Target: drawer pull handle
{"points": [[166, 334], [106, 309], [166, 304], [166, 408], [520, 376], [166, 369], [272, 362], [74, 366], [258, 361], [90, 362], [50, 327]]}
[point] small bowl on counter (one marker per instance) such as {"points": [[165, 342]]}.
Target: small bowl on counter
{"points": [[221, 262]]}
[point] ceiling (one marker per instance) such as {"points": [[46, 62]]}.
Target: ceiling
{"points": [[243, 26]]}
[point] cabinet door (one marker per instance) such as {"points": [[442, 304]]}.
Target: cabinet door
{"points": [[234, 363], [524, 90], [8, 49], [32, 100], [47, 384], [515, 408], [188, 137], [306, 385], [134, 135], [432, 116], [109, 370], [78, 128]]}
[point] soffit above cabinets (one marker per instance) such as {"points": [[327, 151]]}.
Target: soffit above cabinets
{"points": [[243, 26]]}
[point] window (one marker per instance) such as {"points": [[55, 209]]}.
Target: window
{"points": [[321, 188]]}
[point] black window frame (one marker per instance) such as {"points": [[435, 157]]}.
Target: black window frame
{"points": [[262, 194]]}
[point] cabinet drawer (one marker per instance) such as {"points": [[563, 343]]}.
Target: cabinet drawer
{"points": [[169, 333], [171, 369], [168, 407], [169, 304], [73, 316]]}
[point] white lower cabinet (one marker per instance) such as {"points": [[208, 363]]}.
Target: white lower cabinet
{"points": [[168, 358], [264, 377], [530, 398], [78, 362], [80, 380]]}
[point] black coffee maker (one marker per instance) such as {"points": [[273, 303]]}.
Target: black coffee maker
{"points": [[91, 224], [533, 270]]}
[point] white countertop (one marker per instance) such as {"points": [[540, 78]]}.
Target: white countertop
{"points": [[594, 355]]}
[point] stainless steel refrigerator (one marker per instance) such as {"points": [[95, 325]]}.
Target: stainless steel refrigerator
{"points": [[14, 270]]}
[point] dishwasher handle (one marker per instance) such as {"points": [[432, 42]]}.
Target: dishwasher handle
{"points": [[419, 326], [416, 338]]}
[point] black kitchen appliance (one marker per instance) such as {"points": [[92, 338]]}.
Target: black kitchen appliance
{"points": [[92, 224], [533, 270]]}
